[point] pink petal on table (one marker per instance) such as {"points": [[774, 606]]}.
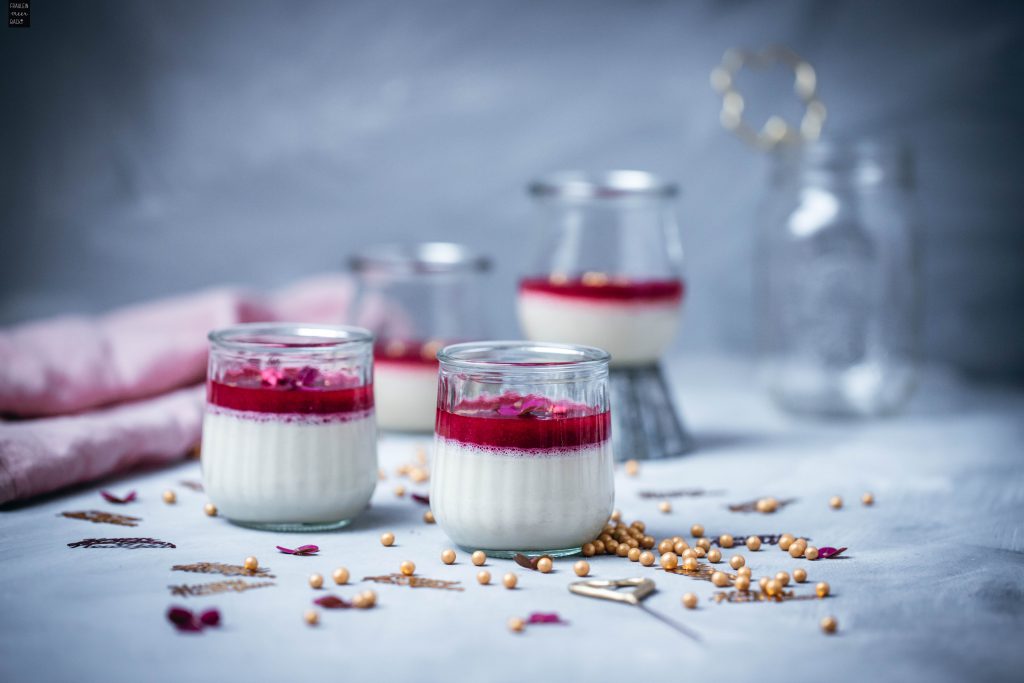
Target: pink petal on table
{"points": [[545, 618], [420, 498], [210, 617], [183, 619], [301, 550], [332, 602], [829, 552], [111, 498]]}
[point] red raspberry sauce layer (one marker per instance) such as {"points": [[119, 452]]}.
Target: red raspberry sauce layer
{"points": [[521, 422], [406, 353], [612, 290], [301, 392]]}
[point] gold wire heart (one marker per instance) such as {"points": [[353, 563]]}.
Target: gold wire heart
{"points": [[609, 590]]}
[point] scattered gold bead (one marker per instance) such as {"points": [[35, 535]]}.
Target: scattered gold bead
{"points": [[340, 576], [786, 540], [679, 547], [369, 598], [588, 550], [688, 552], [483, 577], [767, 505], [381, 475], [742, 583], [737, 561], [811, 553], [829, 624], [639, 526], [647, 558], [797, 549], [633, 554], [697, 530], [312, 617], [799, 575], [822, 589], [647, 542], [545, 565], [400, 491], [665, 506], [704, 543], [407, 568], [715, 555], [725, 541], [360, 601], [699, 552], [690, 600], [251, 563], [599, 548], [753, 543], [720, 579], [610, 547], [428, 517], [170, 497], [316, 580], [665, 546], [632, 468], [772, 588], [479, 557], [418, 475], [763, 583], [676, 539], [622, 550], [387, 539], [616, 515], [835, 502], [510, 580], [669, 561], [582, 568], [448, 556], [516, 625], [782, 578], [690, 564], [210, 509], [744, 571], [868, 498]]}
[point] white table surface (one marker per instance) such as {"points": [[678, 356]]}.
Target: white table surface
{"points": [[933, 588]]}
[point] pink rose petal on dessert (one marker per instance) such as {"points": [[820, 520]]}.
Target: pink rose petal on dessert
{"points": [[111, 498]]}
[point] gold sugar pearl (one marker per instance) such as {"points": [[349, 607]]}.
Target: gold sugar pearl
{"points": [[786, 540], [835, 502], [868, 498], [680, 547], [725, 541], [210, 509], [483, 577], [369, 598], [588, 550], [665, 506], [622, 550], [714, 555], [704, 543], [479, 557], [767, 505], [516, 625], [428, 517], [744, 571], [387, 539], [811, 553], [381, 475], [829, 624], [170, 497], [639, 526], [753, 543], [797, 549], [407, 568], [690, 600], [582, 568], [688, 552], [669, 561], [665, 546], [616, 515], [360, 602], [545, 565], [699, 552], [633, 554], [737, 561], [676, 539], [448, 556], [340, 576], [599, 548], [400, 491], [632, 468], [316, 581], [690, 564], [772, 588], [763, 583], [610, 547], [510, 580], [742, 583], [822, 589], [647, 558], [720, 579], [251, 563], [782, 578], [697, 530], [799, 575], [312, 617]]}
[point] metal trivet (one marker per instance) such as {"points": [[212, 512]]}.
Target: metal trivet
{"points": [[645, 422]]}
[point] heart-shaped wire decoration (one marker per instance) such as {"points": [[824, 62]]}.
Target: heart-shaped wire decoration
{"points": [[775, 131]]}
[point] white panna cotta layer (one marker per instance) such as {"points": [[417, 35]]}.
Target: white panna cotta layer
{"points": [[274, 468], [405, 396]]}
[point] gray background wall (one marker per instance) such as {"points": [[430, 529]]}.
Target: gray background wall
{"points": [[152, 148]]}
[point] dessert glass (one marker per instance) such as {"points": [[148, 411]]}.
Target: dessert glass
{"points": [[416, 299], [523, 454], [289, 436]]}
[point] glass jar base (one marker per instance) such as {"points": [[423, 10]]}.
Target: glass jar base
{"points": [[292, 527], [510, 554]]}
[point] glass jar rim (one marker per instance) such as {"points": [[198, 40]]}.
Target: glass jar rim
{"points": [[562, 357], [615, 184], [330, 339], [419, 257]]}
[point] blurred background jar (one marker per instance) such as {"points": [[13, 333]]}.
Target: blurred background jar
{"points": [[416, 299], [837, 278]]}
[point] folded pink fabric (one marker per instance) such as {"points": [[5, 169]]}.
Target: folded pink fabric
{"points": [[137, 355]]}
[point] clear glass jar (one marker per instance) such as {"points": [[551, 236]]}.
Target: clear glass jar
{"points": [[838, 279], [416, 298], [522, 457], [608, 272], [289, 436]]}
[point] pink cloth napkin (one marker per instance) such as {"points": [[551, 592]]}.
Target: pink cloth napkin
{"points": [[134, 355]]}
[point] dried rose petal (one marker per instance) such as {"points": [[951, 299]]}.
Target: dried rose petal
{"points": [[111, 498], [524, 561], [545, 618], [827, 553], [210, 617], [183, 619], [303, 550], [420, 498], [332, 602]]}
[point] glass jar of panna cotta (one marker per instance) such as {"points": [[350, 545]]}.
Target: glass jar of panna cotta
{"points": [[523, 453], [289, 435], [609, 266], [416, 298]]}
